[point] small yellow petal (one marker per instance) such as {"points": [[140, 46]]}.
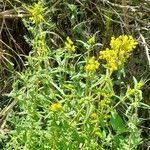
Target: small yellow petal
{"points": [[56, 107]]}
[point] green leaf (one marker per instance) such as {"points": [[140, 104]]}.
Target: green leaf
{"points": [[117, 123], [136, 2], [117, 140], [89, 110]]}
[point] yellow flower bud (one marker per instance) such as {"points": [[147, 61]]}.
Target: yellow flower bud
{"points": [[56, 107]]}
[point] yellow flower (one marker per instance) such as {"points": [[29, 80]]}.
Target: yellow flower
{"points": [[69, 45], [121, 49], [41, 44], [69, 40], [94, 118], [56, 107], [111, 59], [123, 42], [37, 12], [94, 115], [92, 65]]}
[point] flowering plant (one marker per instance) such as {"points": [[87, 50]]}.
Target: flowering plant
{"points": [[66, 102], [121, 49]]}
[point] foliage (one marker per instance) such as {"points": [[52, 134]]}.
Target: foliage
{"points": [[82, 28], [67, 101]]}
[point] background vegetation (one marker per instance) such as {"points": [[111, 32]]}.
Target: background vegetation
{"points": [[80, 20]]}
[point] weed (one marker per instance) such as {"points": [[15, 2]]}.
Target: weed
{"points": [[66, 101]]}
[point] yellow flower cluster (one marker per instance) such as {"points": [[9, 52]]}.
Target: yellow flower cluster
{"points": [[41, 44], [120, 50], [137, 87], [124, 43], [94, 118], [36, 12], [92, 65], [106, 100], [56, 107], [69, 45], [110, 57]]}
